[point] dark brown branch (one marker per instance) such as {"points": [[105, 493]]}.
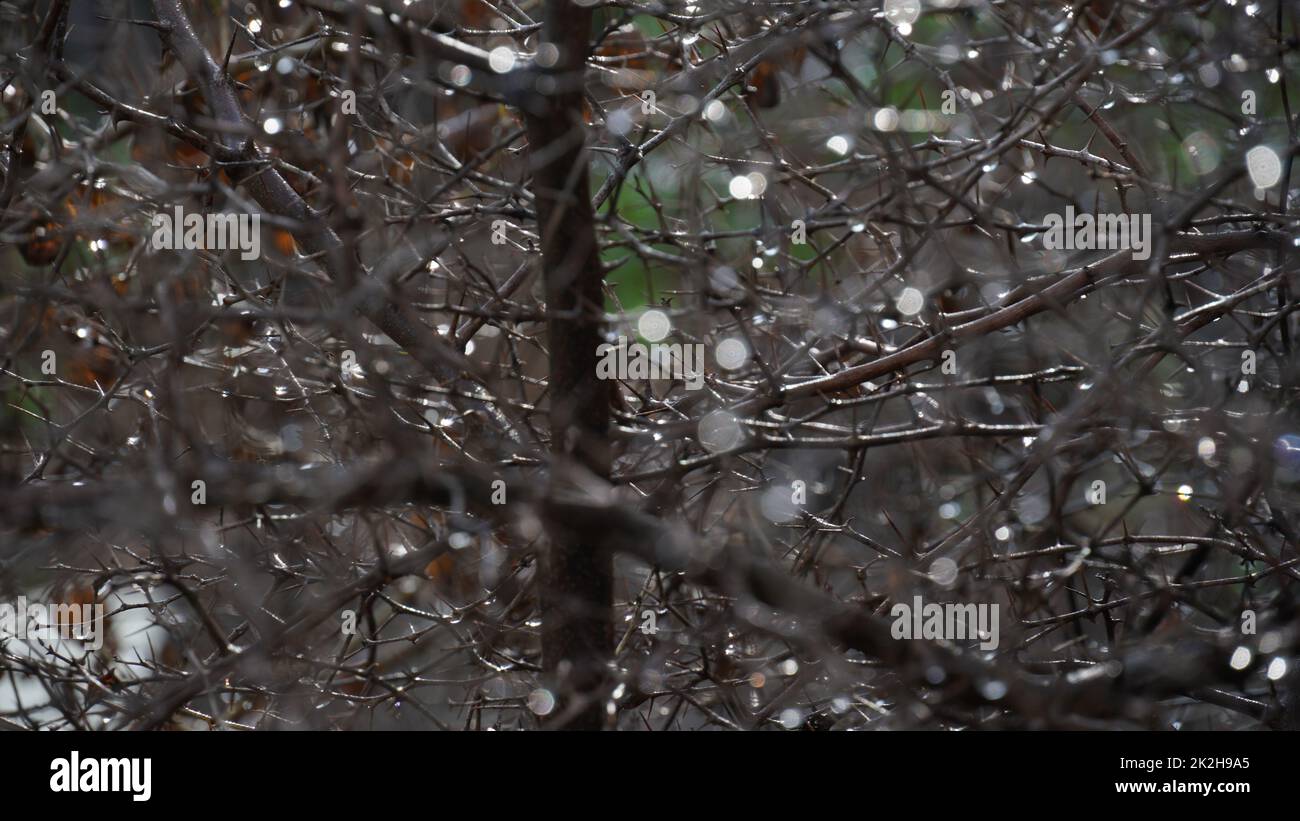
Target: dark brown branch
{"points": [[577, 634]]}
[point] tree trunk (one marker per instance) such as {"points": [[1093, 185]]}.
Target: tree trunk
{"points": [[576, 580]]}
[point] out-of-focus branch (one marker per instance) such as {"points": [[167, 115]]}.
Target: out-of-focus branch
{"points": [[270, 190]]}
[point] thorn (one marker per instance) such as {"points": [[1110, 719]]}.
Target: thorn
{"points": [[153, 24], [1087, 147], [230, 49]]}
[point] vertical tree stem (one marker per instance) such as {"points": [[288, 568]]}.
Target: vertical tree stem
{"points": [[576, 576]]}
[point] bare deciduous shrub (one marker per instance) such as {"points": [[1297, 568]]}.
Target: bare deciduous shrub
{"points": [[650, 364]]}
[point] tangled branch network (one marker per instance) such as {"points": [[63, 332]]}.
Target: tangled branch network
{"points": [[613, 364]]}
